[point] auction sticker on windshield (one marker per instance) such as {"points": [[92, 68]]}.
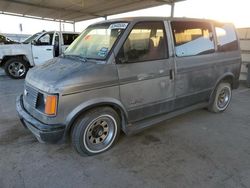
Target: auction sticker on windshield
{"points": [[88, 37], [103, 52], [118, 26]]}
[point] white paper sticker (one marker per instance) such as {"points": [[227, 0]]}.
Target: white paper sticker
{"points": [[118, 26]]}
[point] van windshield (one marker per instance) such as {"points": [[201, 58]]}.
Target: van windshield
{"points": [[96, 41]]}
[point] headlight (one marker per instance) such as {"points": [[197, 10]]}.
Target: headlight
{"points": [[50, 102]]}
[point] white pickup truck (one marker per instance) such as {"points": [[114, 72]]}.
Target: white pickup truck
{"points": [[16, 59]]}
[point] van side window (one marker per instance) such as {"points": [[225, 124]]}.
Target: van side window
{"points": [[69, 38], [192, 38], [146, 42], [226, 37]]}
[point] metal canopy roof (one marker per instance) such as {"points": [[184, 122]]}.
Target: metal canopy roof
{"points": [[74, 10]]}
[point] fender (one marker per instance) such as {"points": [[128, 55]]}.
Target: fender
{"points": [[223, 77], [226, 75], [15, 50], [95, 103]]}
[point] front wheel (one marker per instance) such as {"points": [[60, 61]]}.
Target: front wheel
{"points": [[221, 98], [96, 131], [16, 68]]}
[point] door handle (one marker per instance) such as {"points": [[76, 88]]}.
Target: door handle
{"points": [[171, 74], [48, 49]]}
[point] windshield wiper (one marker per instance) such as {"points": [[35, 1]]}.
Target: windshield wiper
{"points": [[75, 57]]}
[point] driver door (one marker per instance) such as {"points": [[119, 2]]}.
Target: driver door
{"points": [[146, 71], [43, 49]]}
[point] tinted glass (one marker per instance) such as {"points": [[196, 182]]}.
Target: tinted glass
{"points": [[226, 37], [69, 38], [145, 42], [192, 38]]}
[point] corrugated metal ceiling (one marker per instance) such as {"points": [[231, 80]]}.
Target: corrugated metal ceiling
{"points": [[75, 10]]}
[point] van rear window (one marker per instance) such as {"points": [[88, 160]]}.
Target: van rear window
{"points": [[226, 37], [192, 38]]}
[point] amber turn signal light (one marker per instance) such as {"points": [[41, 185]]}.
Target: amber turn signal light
{"points": [[51, 105]]}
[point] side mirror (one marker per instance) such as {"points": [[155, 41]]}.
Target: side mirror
{"points": [[121, 60], [34, 42], [211, 37]]}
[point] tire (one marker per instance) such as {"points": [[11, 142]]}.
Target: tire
{"points": [[96, 131], [16, 68], [221, 98]]}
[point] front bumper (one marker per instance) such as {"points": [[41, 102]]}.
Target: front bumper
{"points": [[43, 132]]}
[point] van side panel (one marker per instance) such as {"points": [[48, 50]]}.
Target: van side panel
{"points": [[197, 75]]}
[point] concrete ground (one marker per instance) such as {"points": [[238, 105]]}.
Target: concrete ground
{"points": [[198, 149]]}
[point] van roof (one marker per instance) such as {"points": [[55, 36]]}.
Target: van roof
{"points": [[136, 19]]}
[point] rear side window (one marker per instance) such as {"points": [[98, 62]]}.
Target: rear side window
{"points": [[146, 42], [226, 37], [192, 38], [69, 38]]}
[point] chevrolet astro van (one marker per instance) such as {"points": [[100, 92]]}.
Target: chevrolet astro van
{"points": [[128, 74]]}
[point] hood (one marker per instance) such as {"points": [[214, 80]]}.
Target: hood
{"points": [[14, 45], [63, 75], [14, 49], [9, 42]]}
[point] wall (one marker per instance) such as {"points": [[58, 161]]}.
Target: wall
{"points": [[244, 35]]}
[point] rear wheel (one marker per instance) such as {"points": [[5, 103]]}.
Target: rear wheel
{"points": [[221, 98], [96, 131], [16, 68]]}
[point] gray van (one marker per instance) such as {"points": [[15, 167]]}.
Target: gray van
{"points": [[128, 74]]}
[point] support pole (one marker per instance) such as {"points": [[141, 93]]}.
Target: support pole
{"points": [[74, 26], [172, 9], [105, 17], [60, 26]]}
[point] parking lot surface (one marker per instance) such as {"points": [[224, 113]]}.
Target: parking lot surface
{"points": [[197, 149]]}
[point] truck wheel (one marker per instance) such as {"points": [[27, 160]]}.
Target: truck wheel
{"points": [[16, 68], [96, 131], [221, 98]]}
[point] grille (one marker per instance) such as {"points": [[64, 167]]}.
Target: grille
{"points": [[31, 96]]}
